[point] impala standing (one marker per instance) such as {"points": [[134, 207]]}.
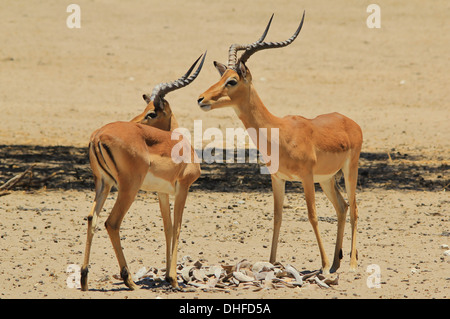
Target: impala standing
{"points": [[310, 150], [137, 155]]}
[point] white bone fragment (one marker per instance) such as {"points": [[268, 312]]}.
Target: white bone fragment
{"points": [[294, 272], [242, 277], [320, 283], [262, 266], [186, 274]]}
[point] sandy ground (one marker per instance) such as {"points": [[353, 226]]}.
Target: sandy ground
{"points": [[58, 84]]}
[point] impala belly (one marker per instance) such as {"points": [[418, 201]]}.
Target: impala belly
{"points": [[287, 177], [322, 178], [327, 165], [317, 178], [153, 183]]}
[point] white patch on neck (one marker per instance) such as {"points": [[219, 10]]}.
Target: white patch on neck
{"points": [[237, 110]]}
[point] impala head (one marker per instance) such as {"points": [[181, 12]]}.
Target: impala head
{"points": [[158, 112], [235, 81]]}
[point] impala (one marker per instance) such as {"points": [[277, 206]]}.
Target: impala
{"points": [[310, 150], [137, 155]]}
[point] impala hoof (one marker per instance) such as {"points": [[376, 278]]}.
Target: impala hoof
{"points": [[173, 282], [125, 275], [83, 279]]}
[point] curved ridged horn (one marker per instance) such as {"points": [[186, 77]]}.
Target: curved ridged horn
{"points": [[232, 52], [163, 88], [255, 47], [258, 46]]}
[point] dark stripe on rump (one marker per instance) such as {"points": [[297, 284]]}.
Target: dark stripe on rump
{"points": [[101, 165], [108, 150]]}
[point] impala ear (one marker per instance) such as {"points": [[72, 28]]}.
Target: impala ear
{"points": [[220, 67], [242, 70], [146, 98]]}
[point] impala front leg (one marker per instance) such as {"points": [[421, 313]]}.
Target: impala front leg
{"points": [[180, 200], [164, 205], [278, 186]]}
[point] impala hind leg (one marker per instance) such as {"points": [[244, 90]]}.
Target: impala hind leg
{"points": [[278, 187], [351, 179], [125, 198], [331, 190], [102, 190], [308, 186]]}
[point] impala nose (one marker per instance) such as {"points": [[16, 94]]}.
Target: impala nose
{"points": [[199, 101]]}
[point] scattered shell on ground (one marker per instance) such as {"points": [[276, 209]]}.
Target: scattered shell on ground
{"points": [[259, 275]]}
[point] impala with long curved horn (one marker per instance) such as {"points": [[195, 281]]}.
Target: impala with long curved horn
{"points": [[138, 155], [310, 150]]}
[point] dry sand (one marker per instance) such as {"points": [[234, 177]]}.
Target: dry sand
{"points": [[58, 84]]}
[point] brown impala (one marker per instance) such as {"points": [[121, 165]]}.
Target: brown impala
{"points": [[137, 155], [310, 150]]}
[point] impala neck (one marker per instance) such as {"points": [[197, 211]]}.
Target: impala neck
{"points": [[168, 124], [254, 114], [258, 120]]}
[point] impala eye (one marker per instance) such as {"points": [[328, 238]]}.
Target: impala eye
{"points": [[151, 115], [231, 82]]}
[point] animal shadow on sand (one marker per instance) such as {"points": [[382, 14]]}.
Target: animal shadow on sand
{"points": [[67, 167]]}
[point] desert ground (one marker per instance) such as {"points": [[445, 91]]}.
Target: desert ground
{"points": [[59, 84]]}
